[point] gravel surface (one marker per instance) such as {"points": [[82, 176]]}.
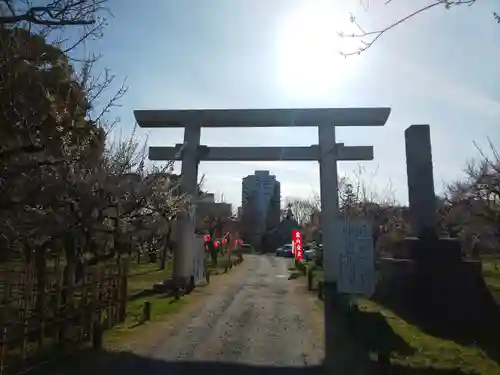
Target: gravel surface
{"points": [[260, 319], [257, 321]]}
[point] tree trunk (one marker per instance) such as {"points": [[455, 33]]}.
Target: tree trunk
{"points": [[40, 267], [67, 296], [166, 245], [214, 252], [163, 256]]}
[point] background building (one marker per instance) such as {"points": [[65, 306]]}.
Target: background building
{"points": [[261, 198], [207, 210]]}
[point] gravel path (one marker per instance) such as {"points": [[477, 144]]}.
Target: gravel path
{"points": [[256, 322], [258, 319]]}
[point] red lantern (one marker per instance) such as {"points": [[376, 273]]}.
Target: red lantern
{"points": [[206, 238], [216, 243]]}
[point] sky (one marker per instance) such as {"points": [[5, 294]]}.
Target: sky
{"points": [[440, 68]]}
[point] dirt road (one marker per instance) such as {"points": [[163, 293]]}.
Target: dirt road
{"points": [[259, 318], [258, 321]]}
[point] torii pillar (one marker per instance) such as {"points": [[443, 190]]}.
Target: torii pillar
{"points": [[183, 252]]}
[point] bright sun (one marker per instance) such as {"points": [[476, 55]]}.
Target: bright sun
{"points": [[308, 59]]}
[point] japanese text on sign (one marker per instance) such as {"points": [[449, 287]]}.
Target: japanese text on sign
{"points": [[297, 244], [356, 263]]}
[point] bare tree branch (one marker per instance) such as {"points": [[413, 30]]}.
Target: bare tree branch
{"points": [[368, 38], [302, 208], [56, 13]]}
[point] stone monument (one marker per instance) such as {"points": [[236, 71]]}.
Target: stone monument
{"points": [[428, 279], [426, 245]]}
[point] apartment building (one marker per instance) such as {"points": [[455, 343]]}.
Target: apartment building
{"points": [[261, 197]]}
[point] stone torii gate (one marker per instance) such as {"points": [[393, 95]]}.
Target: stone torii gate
{"points": [[327, 153]]}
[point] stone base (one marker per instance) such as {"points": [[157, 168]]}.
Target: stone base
{"points": [[442, 292], [429, 250]]}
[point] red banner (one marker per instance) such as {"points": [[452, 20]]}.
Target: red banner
{"points": [[297, 244]]}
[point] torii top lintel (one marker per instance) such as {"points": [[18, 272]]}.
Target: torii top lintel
{"points": [[262, 117]]}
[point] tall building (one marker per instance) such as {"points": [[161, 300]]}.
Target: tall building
{"points": [[261, 197]]}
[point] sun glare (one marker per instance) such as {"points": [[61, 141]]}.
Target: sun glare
{"points": [[308, 46]]}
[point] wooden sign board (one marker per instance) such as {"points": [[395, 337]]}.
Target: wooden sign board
{"points": [[356, 262]]}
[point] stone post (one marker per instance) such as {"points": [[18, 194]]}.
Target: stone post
{"points": [[434, 282], [419, 170], [426, 245], [184, 251]]}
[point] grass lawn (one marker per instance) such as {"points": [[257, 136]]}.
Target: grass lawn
{"points": [[142, 277], [424, 353], [427, 354], [161, 308], [222, 262]]}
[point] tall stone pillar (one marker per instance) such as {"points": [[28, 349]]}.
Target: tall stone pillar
{"points": [[426, 245], [434, 283], [421, 195], [184, 251]]}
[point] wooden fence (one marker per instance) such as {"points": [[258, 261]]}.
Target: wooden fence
{"points": [[44, 315]]}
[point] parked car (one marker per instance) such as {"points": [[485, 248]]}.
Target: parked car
{"points": [[309, 254], [246, 248], [285, 251], [279, 251]]}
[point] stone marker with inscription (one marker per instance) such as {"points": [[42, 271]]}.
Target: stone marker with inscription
{"points": [[426, 245], [356, 265], [427, 278]]}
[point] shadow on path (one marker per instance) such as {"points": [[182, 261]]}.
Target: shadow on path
{"points": [[125, 363]]}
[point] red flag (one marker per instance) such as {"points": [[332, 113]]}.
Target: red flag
{"points": [[297, 244]]}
